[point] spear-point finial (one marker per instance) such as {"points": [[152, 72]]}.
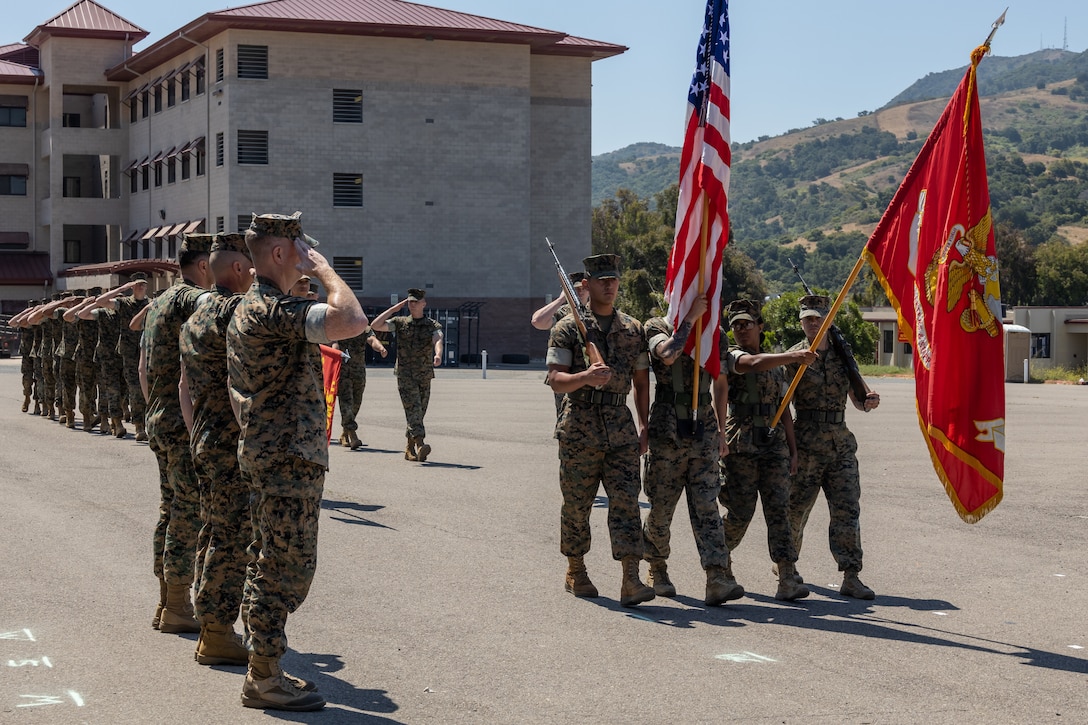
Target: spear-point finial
{"points": [[997, 24]]}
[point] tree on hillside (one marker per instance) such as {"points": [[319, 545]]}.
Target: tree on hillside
{"points": [[1016, 265], [1062, 274], [781, 320], [626, 225]]}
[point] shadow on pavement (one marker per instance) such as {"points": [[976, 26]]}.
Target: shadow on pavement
{"points": [[839, 615], [346, 509], [346, 703]]}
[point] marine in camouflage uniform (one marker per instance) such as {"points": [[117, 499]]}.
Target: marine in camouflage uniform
{"points": [[66, 352], [228, 523], [353, 382], [26, 362], [548, 316], [39, 373], [178, 527], [128, 348], [683, 458], [827, 450], [277, 387], [87, 369], [598, 441], [419, 352], [110, 375], [759, 461], [47, 354]]}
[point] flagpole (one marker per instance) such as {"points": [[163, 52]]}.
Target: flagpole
{"points": [[704, 233], [824, 327]]}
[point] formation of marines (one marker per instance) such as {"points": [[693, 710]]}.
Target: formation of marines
{"points": [[715, 444], [241, 445]]}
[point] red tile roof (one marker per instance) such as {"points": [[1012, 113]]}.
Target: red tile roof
{"points": [[87, 19], [387, 18], [17, 73], [25, 268], [126, 266], [20, 53]]}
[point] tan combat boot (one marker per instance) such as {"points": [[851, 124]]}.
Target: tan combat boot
{"points": [[659, 579], [48, 412], [218, 644], [62, 415], [26, 403], [37, 408], [353, 440], [162, 603], [177, 616], [345, 440], [267, 686], [410, 450], [721, 587], [788, 588], [423, 450], [141, 432], [852, 587], [632, 590], [70, 419], [796, 574], [577, 581], [118, 428]]}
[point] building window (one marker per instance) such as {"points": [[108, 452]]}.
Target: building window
{"points": [[253, 61], [72, 251], [133, 182], [244, 221], [171, 170], [219, 225], [252, 147], [157, 93], [350, 270], [171, 93], [219, 149], [347, 106], [199, 73], [71, 187], [70, 120], [347, 189], [1040, 344], [143, 104], [144, 177], [184, 167], [889, 343], [185, 86], [158, 174], [172, 248], [133, 111], [201, 159], [12, 185], [219, 65], [13, 111]]}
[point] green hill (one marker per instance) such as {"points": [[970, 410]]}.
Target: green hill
{"points": [[815, 194]]}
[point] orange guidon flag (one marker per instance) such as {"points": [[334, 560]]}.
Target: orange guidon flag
{"points": [[934, 254], [331, 360]]}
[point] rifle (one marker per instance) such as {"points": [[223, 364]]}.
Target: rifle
{"points": [[857, 383], [580, 312]]}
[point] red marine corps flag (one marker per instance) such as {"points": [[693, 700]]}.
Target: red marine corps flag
{"points": [[331, 361], [702, 217], [933, 251]]}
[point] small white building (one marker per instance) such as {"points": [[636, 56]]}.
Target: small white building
{"points": [[1059, 335]]}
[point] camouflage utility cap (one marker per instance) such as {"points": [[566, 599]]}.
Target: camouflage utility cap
{"points": [[415, 295], [602, 266], [230, 242], [79, 293], [196, 243], [576, 277], [95, 291], [138, 277], [815, 306], [743, 310], [279, 225]]}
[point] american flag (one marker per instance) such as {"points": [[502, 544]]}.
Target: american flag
{"points": [[704, 187]]}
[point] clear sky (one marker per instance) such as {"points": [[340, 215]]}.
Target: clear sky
{"points": [[793, 60]]}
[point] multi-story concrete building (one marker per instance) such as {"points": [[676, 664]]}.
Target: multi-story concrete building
{"points": [[424, 148]]}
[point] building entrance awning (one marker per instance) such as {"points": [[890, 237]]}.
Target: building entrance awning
{"points": [[25, 268]]}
